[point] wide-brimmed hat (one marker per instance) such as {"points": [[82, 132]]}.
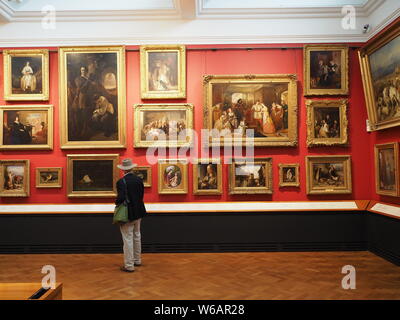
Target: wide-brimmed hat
{"points": [[126, 164]]}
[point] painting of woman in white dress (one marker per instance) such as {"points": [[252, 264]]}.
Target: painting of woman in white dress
{"points": [[26, 75]]}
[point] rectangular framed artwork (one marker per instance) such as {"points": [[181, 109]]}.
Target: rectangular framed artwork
{"points": [[172, 176], [14, 178], [26, 127], [144, 173], [289, 175], [207, 177], [48, 177], [92, 97], [387, 169]]}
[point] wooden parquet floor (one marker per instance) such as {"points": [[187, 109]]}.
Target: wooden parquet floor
{"points": [[258, 276]]}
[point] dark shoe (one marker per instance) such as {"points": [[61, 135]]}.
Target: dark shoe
{"points": [[137, 264], [125, 269]]}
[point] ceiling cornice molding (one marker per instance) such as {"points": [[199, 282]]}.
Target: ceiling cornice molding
{"points": [[391, 18], [6, 12], [371, 6], [237, 39]]}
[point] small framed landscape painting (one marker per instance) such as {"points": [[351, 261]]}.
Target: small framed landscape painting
{"points": [[14, 178], [92, 175], [250, 176], [387, 169], [329, 174], [289, 175], [48, 177]]}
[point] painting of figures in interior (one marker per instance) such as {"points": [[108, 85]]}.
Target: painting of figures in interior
{"points": [[14, 178], [92, 97], [387, 169], [172, 176], [207, 177], [93, 175], [163, 71], [250, 176], [26, 127], [327, 122], [163, 125], [259, 106], [325, 70], [380, 68], [26, 74], [328, 174]]}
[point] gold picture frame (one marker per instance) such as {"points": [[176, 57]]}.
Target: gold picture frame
{"points": [[101, 72], [207, 177], [49, 177], [387, 164], [235, 103], [172, 176], [256, 176], [153, 116], [327, 123], [26, 74], [26, 127], [329, 174], [379, 61], [326, 70], [92, 175], [163, 71], [144, 172], [14, 178], [289, 175]]}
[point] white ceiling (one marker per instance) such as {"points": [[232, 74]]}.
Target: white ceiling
{"points": [[90, 22]]}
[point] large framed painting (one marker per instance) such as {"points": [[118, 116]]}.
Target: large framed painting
{"points": [[250, 176], [144, 173], [14, 178], [326, 70], [207, 177], [26, 127], [163, 71], [329, 174], [380, 68], [289, 175], [92, 175], [163, 125], [172, 176], [387, 169], [240, 107], [327, 122], [92, 97], [26, 75], [48, 177]]}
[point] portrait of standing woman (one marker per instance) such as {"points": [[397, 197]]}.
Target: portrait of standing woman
{"points": [[131, 186]]}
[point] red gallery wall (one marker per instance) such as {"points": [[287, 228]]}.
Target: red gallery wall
{"points": [[199, 63]]}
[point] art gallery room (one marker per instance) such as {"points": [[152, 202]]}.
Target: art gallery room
{"points": [[200, 150]]}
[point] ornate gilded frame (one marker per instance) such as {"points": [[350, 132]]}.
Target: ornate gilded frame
{"points": [[183, 166], [140, 108], [121, 85], [26, 185], [33, 108], [7, 57], [344, 159], [366, 75], [267, 189], [296, 167], [146, 93], [290, 79], [218, 190], [91, 194], [57, 184], [395, 147], [344, 88], [148, 181], [313, 141]]}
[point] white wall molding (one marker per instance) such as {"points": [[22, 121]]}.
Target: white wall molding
{"points": [[185, 207]]}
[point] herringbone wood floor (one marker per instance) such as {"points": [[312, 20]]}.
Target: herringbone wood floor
{"points": [[273, 275]]}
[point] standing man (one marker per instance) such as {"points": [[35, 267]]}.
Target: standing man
{"points": [[132, 187]]}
